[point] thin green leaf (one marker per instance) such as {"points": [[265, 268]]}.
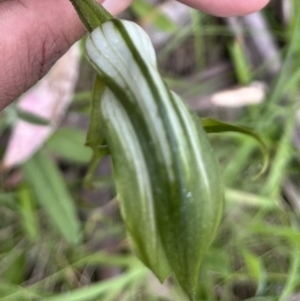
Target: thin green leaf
{"points": [[291, 235], [249, 199], [69, 144], [9, 290], [293, 276], [290, 62], [263, 299], [15, 271], [240, 158], [240, 62], [93, 291], [282, 157], [12, 264], [255, 269], [146, 10], [32, 118], [98, 258], [215, 126], [199, 36], [28, 213], [49, 187]]}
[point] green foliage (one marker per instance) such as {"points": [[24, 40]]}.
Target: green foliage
{"points": [[145, 10], [216, 126], [28, 213], [106, 290], [256, 254], [31, 118], [48, 185], [240, 62], [68, 143]]}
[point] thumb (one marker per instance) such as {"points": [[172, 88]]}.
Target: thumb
{"points": [[34, 34], [226, 8]]}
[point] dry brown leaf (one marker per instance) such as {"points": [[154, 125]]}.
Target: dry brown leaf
{"points": [[48, 99]]}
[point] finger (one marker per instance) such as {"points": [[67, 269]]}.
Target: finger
{"points": [[34, 34], [227, 8]]}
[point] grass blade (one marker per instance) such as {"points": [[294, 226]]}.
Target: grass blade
{"points": [[27, 208], [96, 290], [48, 185], [215, 126]]}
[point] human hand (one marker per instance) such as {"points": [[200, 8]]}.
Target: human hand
{"points": [[35, 33]]}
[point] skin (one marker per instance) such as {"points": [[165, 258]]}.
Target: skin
{"points": [[35, 33]]}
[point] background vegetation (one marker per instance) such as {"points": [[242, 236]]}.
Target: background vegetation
{"points": [[60, 241]]}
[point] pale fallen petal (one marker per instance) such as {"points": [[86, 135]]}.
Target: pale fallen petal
{"points": [[49, 99], [240, 97]]}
